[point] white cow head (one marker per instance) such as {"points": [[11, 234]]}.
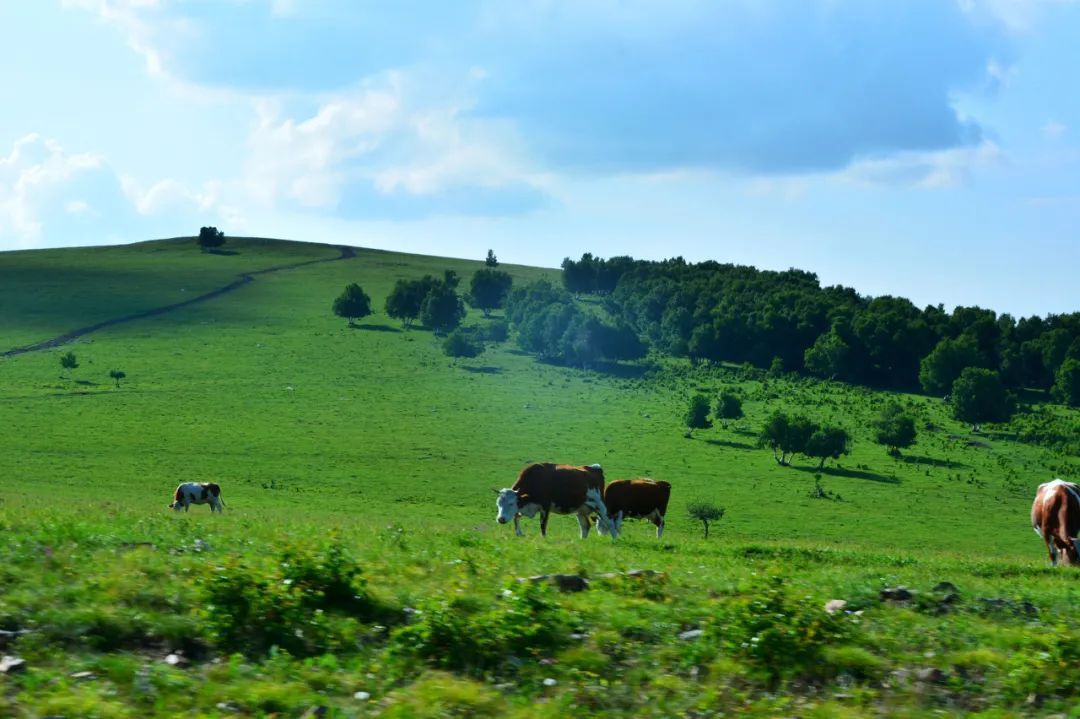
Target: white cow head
{"points": [[506, 504]]}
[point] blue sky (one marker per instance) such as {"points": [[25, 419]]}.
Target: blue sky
{"points": [[928, 149]]}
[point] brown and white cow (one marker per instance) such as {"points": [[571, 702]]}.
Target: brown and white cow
{"points": [[636, 499], [190, 493], [1055, 516], [559, 488]]}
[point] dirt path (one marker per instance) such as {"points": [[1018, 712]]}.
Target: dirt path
{"points": [[346, 253]]}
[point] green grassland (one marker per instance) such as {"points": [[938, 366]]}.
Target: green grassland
{"points": [[357, 465]]}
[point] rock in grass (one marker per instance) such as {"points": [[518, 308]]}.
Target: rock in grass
{"points": [[835, 605], [691, 634], [177, 660], [12, 665]]}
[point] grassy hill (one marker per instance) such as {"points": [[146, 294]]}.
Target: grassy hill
{"points": [[367, 447]]}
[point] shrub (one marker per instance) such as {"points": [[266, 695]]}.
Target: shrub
{"points": [[705, 512], [728, 406], [697, 414], [459, 344], [463, 635], [437, 695], [496, 331]]}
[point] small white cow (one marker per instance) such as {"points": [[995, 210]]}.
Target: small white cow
{"points": [[190, 493]]}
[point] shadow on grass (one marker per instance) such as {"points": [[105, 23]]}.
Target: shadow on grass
{"points": [[377, 328], [482, 370], [85, 383], [932, 461], [852, 473], [215, 251], [729, 443]]}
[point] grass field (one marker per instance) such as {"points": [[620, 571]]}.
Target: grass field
{"points": [[342, 449]]}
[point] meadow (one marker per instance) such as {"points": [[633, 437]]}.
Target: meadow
{"points": [[358, 568]]}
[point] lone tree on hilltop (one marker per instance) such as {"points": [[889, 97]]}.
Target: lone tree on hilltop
{"points": [[352, 304], [697, 414], [827, 443], [488, 289], [442, 310], [210, 238], [894, 428], [117, 375], [68, 362], [705, 512], [979, 396], [491, 260]]}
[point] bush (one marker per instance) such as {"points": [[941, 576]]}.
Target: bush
{"points": [[728, 406], [462, 635], [705, 512], [459, 344], [781, 636], [496, 331], [697, 414]]}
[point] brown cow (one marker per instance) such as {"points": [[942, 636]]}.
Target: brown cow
{"points": [[558, 488], [636, 498], [1055, 516]]}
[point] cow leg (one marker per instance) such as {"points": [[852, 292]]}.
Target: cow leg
{"points": [[517, 526], [544, 514], [1053, 551], [660, 526], [584, 523]]}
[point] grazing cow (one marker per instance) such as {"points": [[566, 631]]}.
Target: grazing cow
{"points": [[636, 498], [1055, 516], [558, 488], [190, 493]]}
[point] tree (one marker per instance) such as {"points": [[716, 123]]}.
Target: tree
{"points": [[353, 303], [68, 362], [697, 415], [442, 310], [939, 369], [828, 357], [979, 396], [776, 367], [117, 375], [705, 512], [1067, 383], [459, 344], [728, 406], [786, 436], [894, 428], [491, 260], [210, 238], [404, 301], [488, 289], [827, 443]]}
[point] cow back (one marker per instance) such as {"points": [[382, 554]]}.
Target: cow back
{"points": [[1056, 508], [559, 485], [637, 497]]}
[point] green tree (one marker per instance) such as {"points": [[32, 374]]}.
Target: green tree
{"points": [[1067, 383], [353, 303], [828, 357], [705, 512], [460, 344], [786, 436], [442, 310], [939, 369], [210, 238], [697, 414], [488, 289], [728, 406], [491, 260], [827, 443], [894, 428], [776, 367], [979, 396], [68, 362], [117, 375]]}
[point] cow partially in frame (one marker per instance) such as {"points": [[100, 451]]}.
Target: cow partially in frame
{"points": [[560, 488], [1055, 516], [190, 493], [636, 499]]}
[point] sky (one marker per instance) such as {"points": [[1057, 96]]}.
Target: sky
{"points": [[928, 149]]}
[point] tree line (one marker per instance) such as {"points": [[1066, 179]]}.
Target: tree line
{"points": [[786, 320]]}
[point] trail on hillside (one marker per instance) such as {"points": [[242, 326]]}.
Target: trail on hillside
{"points": [[245, 278]]}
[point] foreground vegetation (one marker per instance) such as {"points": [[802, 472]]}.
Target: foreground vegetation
{"points": [[357, 565]]}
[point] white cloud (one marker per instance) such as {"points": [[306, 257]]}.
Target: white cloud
{"points": [[30, 176], [1054, 130], [928, 170]]}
